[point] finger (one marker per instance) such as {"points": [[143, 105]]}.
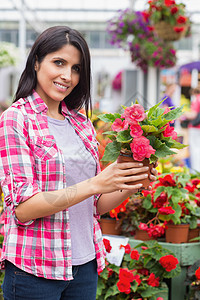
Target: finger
{"points": [[152, 177], [133, 171], [129, 165], [135, 178]]}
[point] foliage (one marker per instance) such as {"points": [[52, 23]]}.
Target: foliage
{"points": [[141, 274], [131, 30], [168, 11], [171, 200], [8, 54], [145, 134]]}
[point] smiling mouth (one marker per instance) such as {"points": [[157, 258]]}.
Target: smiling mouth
{"points": [[61, 86]]}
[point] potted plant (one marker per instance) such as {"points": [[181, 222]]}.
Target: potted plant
{"points": [[131, 30], [8, 54], [141, 274], [170, 201], [170, 20], [141, 135]]}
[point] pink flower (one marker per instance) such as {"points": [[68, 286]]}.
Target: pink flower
{"points": [[134, 114], [119, 125], [169, 131], [136, 130], [141, 148]]}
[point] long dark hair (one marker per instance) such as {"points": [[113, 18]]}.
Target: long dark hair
{"points": [[51, 40]]}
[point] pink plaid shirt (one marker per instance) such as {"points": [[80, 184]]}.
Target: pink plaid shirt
{"points": [[30, 162]]}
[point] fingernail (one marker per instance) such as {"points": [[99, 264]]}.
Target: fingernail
{"points": [[146, 175], [140, 165]]}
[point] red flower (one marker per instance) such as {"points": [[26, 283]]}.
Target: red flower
{"points": [[167, 180], [143, 226], [190, 188], [143, 271], [126, 275], [169, 2], [127, 248], [166, 210], [107, 245], [160, 201], [197, 273], [153, 280], [181, 19], [178, 29], [156, 231], [151, 28], [124, 286], [168, 262], [137, 279], [135, 255], [174, 10], [195, 181]]}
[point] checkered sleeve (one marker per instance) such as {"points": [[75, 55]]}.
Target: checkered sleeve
{"points": [[18, 180]]}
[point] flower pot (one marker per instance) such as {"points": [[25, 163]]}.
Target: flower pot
{"points": [[177, 234], [166, 31], [127, 156], [193, 233], [142, 235], [110, 226]]}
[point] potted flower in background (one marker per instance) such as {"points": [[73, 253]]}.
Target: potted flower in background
{"points": [[141, 135], [171, 201], [141, 274], [193, 281], [169, 19]]}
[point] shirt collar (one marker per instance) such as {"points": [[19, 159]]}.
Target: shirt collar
{"points": [[38, 105]]}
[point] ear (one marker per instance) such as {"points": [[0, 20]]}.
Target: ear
{"points": [[36, 66]]}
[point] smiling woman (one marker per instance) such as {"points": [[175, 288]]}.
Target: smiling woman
{"points": [[53, 187]]}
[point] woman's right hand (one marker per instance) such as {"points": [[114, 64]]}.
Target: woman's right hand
{"points": [[116, 175]]}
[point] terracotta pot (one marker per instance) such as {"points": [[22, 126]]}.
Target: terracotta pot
{"points": [[124, 157], [110, 226], [177, 234], [142, 235], [193, 233]]}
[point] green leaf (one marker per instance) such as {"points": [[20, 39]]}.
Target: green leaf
{"points": [[173, 143], [112, 151], [109, 117], [153, 109], [164, 151], [124, 136], [149, 128], [113, 290], [174, 113]]}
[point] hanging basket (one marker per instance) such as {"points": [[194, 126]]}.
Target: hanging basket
{"points": [[166, 31]]}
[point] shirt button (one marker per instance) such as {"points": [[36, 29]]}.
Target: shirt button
{"points": [[8, 172]]}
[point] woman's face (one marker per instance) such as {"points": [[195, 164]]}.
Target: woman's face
{"points": [[58, 74]]}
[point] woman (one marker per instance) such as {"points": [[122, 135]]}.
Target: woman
{"points": [[53, 188]]}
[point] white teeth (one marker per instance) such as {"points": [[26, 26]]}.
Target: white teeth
{"points": [[61, 86]]}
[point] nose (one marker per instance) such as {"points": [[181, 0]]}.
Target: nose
{"points": [[66, 74]]}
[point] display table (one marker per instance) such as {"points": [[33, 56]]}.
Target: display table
{"points": [[187, 254]]}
